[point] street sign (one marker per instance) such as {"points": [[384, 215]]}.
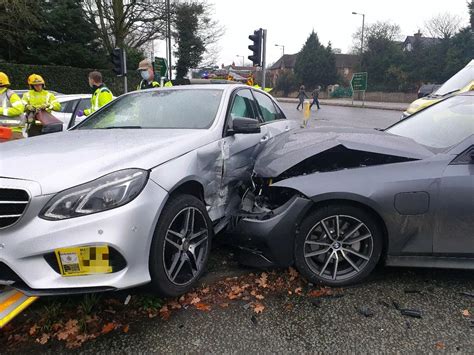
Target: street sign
{"points": [[359, 81], [160, 66]]}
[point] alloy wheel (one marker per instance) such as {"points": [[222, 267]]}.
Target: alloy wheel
{"points": [[338, 247], [185, 246]]}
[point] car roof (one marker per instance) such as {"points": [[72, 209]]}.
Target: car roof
{"points": [[73, 97], [223, 87]]}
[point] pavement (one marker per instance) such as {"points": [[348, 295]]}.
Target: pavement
{"points": [[396, 106]]}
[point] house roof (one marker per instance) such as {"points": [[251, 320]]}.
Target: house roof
{"points": [[288, 61], [425, 41]]}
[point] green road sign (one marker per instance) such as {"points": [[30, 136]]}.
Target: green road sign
{"points": [[359, 81], [161, 66]]}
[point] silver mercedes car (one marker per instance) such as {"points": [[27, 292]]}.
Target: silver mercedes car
{"points": [[134, 193]]}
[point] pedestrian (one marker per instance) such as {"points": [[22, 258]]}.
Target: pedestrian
{"points": [[37, 98], [101, 96], [301, 96], [11, 115], [145, 67], [315, 95]]}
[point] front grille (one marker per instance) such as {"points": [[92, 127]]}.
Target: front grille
{"points": [[13, 204]]}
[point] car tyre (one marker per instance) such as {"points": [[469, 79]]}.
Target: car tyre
{"points": [[180, 246], [347, 255]]}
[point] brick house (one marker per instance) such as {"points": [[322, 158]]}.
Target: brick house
{"points": [[345, 66]]}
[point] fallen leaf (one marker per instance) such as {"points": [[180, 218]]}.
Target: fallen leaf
{"points": [[259, 308], [195, 300], [164, 313], [299, 291], [70, 329], [44, 339], [289, 307], [205, 290], [126, 328], [174, 305], [33, 329], [107, 328], [293, 273], [321, 292], [202, 307], [440, 345], [262, 280], [466, 313], [224, 305]]}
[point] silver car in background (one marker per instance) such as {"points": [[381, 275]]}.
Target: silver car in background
{"points": [[134, 193]]}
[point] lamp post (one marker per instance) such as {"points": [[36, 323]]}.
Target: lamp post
{"points": [[243, 59], [282, 47], [362, 36]]}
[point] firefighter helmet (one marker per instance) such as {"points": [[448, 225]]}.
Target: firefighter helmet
{"points": [[35, 79], [4, 81]]}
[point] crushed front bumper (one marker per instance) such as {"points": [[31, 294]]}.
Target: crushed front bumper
{"points": [[267, 239], [27, 248]]}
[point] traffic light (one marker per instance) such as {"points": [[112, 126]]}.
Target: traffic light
{"points": [[256, 47], [118, 60]]}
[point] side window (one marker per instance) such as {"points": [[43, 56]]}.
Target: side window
{"points": [[68, 106], [84, 104], [465, 158], [267, 108], [243, 105]]}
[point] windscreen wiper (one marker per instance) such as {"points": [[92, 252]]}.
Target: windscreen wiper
{"points": [[122, 127]]}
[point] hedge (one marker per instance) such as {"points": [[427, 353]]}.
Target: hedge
{"points": [[66, 80]]}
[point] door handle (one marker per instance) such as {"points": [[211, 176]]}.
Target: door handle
{"points": [[264, 138]]}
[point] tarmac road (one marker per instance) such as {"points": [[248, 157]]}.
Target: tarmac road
{"points": [[324, 325], [344, 116]]}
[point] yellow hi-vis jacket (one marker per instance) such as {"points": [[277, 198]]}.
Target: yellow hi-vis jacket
{"points": [[102, 96], [41, 99], [11, 114]]}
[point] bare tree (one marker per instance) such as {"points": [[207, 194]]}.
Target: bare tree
{"points": [[444, 25], [127, 23], [377, 30]]}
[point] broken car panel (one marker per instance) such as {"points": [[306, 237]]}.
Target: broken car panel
{"points": [[335, 200]]}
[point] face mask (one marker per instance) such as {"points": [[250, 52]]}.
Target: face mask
{"points": [[145, 75]]}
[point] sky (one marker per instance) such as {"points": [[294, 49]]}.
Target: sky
{"points": [[289, 23]]}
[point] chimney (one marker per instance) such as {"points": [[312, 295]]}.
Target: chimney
{"points": [[418, 34]]}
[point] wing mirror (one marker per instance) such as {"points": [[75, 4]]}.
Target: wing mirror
{"points": [[244, 125]]}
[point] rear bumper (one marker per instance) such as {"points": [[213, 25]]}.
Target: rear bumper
{"points": [[268, 239]]}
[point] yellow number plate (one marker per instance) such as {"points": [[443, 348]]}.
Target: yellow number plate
{"points": [[84, 260]]}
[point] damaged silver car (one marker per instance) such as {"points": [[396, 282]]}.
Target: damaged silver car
{"points": [[335, 201], [133, 194]]}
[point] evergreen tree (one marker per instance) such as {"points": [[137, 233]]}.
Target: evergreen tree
{"points": [[190, 45], [316, 64]]}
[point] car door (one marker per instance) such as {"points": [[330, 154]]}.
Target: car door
{"points": [[65, 113], [454, 233], [81, 106], [240, 150], [272, 116]]}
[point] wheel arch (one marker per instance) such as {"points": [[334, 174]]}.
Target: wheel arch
{"points": [[190, 186]]}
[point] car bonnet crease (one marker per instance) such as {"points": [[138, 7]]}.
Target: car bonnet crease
{"points": [[292, 148]]}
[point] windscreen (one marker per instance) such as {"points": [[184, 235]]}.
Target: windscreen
{"points": [[162, 109], [459, 80], [441, 125]]}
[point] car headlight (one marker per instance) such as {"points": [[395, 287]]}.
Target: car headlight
{"points": [[107, 192]]}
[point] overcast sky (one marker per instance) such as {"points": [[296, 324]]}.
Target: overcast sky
{"points": [[290, 22]]}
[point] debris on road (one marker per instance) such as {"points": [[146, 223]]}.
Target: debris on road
{"points": [[468, 294], [414, 313], [365, 311]]}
